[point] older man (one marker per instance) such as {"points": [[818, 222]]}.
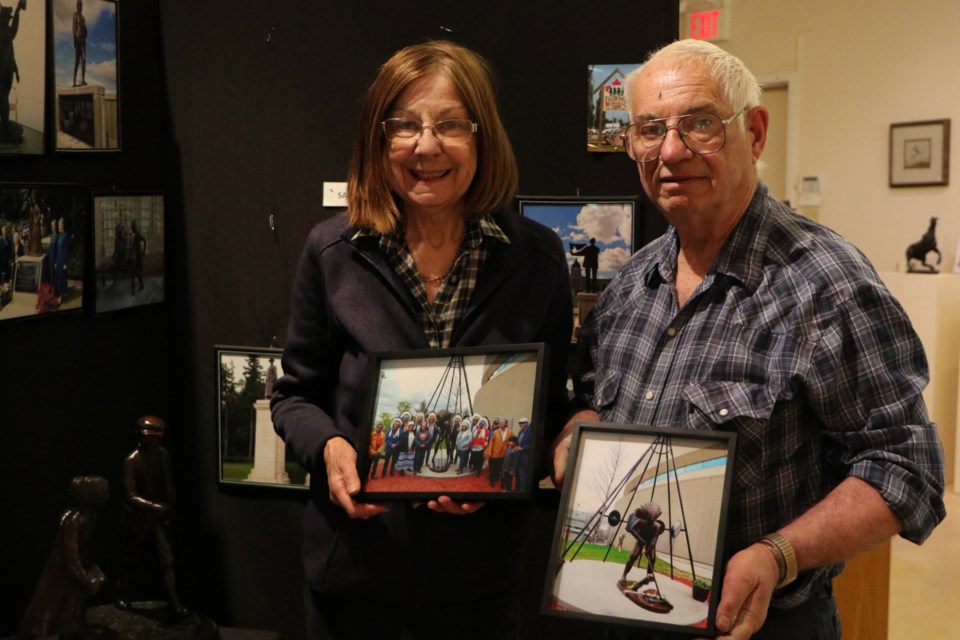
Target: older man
{"points": [[747, 317]]}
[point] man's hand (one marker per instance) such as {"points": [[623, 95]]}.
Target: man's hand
{"points": [[340, 459], [748, 585], [561, 445]]}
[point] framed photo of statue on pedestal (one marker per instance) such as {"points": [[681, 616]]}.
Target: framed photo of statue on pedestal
{"points": [[250, 451], [23, 64], [598, 235], [86, 100], [640, 530], [464, 423]]}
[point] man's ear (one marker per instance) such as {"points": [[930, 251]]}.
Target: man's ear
{"points": [[756, 121]]}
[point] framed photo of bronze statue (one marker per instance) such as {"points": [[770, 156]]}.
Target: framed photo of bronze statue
{"points": [[464, 423], [639, 536], [128, 250], [43, 249], [250, 451], [23, 64], [598, 236], [86, 92], [920, 153]]}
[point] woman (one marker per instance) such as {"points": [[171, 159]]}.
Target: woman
{"points": [[427, 256], [464, 440]]}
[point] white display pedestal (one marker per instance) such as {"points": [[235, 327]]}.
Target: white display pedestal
{"points": [[269, 452], [932, 302]]}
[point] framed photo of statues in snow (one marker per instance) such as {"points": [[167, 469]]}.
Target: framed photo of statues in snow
{"points": [[128, 257], [639, 537], [250, 451], [463, 423]]}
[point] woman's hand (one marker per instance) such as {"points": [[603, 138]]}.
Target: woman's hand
{"points": [[340, 459], [445, 504]]}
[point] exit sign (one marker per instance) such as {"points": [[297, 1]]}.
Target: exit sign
{"points": [[705, 19], [705, 25]]}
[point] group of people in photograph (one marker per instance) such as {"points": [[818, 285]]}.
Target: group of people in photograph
{"points": [[27, 239], [451, 444]]}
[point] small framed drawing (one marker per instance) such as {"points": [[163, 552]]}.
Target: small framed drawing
{"points": [[250, 451], [598, 236], [464, 423], [128, 250], [920, 153], [639, 537]]}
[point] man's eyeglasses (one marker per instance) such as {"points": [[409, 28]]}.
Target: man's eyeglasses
{"points": [[702, 133], [403, 130]]}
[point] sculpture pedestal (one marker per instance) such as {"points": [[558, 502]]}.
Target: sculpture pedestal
{"points": [[146, 621], [932, 302], [270, 452]]}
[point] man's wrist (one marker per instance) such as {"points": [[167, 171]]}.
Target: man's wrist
{"points": [[785, 556]]}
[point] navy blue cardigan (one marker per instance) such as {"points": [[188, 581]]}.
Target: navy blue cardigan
{"points": [[348, 302]]}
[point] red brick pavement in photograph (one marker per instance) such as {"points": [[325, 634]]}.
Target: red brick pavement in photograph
{"points": [[430, 481]]}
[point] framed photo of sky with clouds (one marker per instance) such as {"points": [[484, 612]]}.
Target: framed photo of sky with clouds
{"points": [[598, 237]]}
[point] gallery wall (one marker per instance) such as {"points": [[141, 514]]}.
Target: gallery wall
{"points": [[857, 68], [73, 383]]}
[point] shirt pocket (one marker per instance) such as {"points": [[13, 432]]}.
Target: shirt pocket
{"points": [[743, 408]]}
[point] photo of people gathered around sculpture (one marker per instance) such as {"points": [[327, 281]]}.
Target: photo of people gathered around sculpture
{"points": [[454, 424]]}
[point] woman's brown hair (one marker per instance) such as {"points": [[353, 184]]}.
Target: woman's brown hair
{"points": [[370, 201]]}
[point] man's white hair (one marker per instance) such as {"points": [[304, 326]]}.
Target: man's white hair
{"points": [[740, 87]]}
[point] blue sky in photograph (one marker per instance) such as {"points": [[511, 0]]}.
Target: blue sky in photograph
{"points": [[101, 19], [610, 224]]}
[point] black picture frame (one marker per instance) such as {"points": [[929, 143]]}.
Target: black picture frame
{"points": [[610, 220], [249, 452], [43, 278], [920, 153], [86, 94], [128, 250], [613, 472], [497, 383]]}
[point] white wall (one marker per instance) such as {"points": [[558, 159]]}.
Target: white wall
{"points": [[856, 67]]}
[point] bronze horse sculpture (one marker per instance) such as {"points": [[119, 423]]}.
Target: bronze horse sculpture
{"points": [[918, 251]]}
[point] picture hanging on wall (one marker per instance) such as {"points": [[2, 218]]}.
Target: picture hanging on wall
{"points": [[23, 64], [43, 250], [250, 451], [87, 96], [639, 537], [598, 237], [464, 423], [920, 153], [128, 257], [607, 111]]}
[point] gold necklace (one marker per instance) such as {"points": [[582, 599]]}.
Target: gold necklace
{"points": [[440, 279]]}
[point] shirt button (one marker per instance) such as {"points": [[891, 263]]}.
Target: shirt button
{"points": [[649, 395], [454, 279], [671, 332], [724, 412]]}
